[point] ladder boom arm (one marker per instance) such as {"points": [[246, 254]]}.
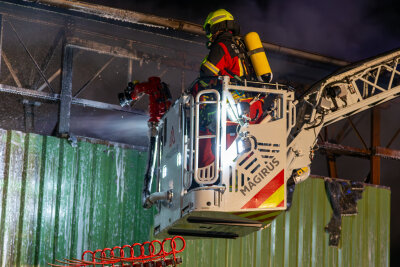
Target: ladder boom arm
{"points": [[355, 88]]}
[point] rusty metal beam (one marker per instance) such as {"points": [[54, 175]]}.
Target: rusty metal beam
{"points": [[133, 54], [387, 153], [344, 150], [375, 142], [336, 149], [11, 70]]}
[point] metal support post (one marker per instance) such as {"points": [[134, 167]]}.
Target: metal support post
{"points": [[29, 114], [330, 158], [375, 142], [66, 92], [332, 165]]}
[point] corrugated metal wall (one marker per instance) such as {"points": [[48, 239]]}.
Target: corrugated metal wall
{"points": [[56, 201], [297, 238]]}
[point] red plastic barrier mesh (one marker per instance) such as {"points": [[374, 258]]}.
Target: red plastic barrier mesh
{"points": [[160, 253]]}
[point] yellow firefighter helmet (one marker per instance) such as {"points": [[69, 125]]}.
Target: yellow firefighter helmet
{"points": [[215, 18]]}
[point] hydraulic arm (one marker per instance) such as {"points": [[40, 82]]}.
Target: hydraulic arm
{"points": [[346, 92]]}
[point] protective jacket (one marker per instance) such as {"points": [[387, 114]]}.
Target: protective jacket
{"points": [[225, 58]]}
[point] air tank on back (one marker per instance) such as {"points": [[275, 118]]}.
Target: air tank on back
{"points": [[258, 57]]}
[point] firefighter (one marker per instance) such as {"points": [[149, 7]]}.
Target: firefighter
{"points": [[224, 58], [228, 56], [227, 51]]}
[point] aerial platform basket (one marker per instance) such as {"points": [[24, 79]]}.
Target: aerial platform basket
{"points": [[242, 188]]}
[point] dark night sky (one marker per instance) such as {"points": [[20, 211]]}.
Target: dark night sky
{"points": [[348, 30]]}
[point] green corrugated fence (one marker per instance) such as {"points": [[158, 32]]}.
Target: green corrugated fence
{"points": [[297, 237], [57, 201]]}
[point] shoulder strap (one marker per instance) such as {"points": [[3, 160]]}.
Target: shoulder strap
{"points": [[244, 57], [224, 47]]}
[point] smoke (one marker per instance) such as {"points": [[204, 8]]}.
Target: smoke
{"points": [[124, 127]]}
